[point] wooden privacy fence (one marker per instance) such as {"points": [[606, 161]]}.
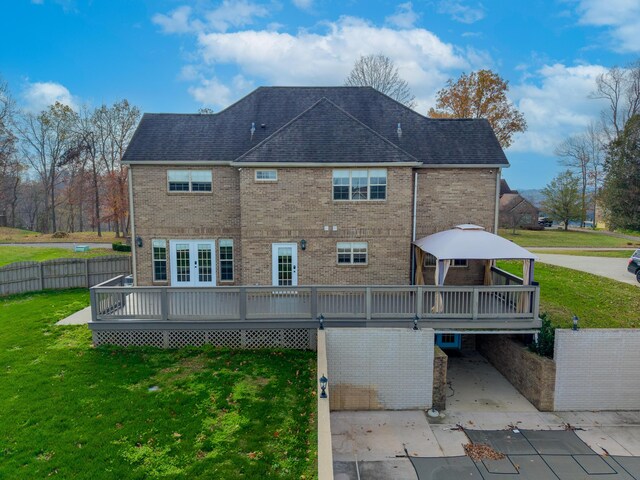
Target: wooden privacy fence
{"points": [[61, 273]]}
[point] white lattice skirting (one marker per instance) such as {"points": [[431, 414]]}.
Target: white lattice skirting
{"points": [[298, 339]]}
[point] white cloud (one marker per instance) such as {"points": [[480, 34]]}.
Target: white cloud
{"points": [[460, 12], [235, 14], [555, 102], [177, 21], [39, 95], [404, 16], [305, 58], [212, 92], [303, 4], [622, 17]]}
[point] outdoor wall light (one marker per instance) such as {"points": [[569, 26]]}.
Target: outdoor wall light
{"points": [[321, 321], [323, 386], [303, 244], [575, 323], [139, 241], [415, 322]]}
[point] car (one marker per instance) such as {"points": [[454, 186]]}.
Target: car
{"points": [[545, 222], [634, 264]]}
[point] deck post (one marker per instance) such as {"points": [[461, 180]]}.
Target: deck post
{"points": [[242, 303], [536, 303], [164, 304], [93, 298], [419, 291], [474, 311], [368, 303], [314, 302]]}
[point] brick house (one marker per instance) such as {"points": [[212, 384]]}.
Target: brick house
{"points": [[515, 211], [305, 186]]}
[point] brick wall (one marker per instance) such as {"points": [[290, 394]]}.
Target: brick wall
{"points": [[380, 368], [597, 369], [532, 375], [450, 197], [180, 215], [300, 204], [440, 362]]}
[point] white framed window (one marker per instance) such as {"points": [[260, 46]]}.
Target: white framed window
{"points": [[360, 184], [266, 175], [460, 262], [352, 253], [189, 180], [159, 248], [225, 255]]}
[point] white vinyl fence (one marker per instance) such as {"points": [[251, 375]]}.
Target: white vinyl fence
{"points": [[61, 273]]}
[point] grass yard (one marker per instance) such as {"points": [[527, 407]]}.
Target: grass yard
{"points": [[15, 235], [72, 411], [560, 238], [9, 254], [589, 253], [599, 302]]}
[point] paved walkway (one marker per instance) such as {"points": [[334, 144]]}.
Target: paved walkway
{"points": [[81, 317], [614, 268]]}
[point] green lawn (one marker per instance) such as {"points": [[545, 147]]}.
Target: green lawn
{"points": [[560, 238], [599, 302], [16, 235], [38, 254], [589, 253], [71, 411]]}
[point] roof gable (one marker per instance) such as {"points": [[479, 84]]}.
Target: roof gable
{"points": [[325, 134]]}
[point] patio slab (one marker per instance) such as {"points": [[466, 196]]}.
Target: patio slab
{"points": [[81, 317]]}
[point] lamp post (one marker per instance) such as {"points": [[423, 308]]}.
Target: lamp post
{"points": [[321, 321], [415, 322], [575, 323], [323, 386]]}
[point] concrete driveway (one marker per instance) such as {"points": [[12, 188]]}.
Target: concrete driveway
{"points": [[614, 268]]}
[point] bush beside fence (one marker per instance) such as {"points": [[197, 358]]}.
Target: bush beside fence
{"points": [[61, 273]]}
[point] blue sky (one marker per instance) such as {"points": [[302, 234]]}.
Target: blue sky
{"points": [[176, 56]]}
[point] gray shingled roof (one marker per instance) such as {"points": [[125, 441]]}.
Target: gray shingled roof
{"points": [[225, 136]]}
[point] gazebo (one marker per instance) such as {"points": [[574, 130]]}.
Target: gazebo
{"points": [[470, 242]]}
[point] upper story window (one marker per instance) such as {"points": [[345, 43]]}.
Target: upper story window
{"points": [[266, 175], [189, 180], [360, 184]]}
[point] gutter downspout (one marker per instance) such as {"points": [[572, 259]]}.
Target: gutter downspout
{"points": [[133, 227], [495, 223], [413, 232]]}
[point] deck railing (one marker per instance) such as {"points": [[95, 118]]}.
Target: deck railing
{"points": [[303, 305]]}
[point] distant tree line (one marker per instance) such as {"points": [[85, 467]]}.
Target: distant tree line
{"points": [[61, 169]]}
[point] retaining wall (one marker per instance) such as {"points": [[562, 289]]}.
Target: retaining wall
{"points": [[597, 369], [380, 368], [532, 375]]}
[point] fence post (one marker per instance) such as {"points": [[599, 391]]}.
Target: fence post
{"points": [[93, 298], [164, 304], [368, 303], [41, 277], [86, 271], [242, 303], [476, 295]]}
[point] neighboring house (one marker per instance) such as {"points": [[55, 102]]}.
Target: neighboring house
{"points": [[515, 210], [303, 185]]}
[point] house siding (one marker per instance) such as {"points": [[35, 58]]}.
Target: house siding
{"points": [[180, 215]]}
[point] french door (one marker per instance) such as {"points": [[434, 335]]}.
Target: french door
{"points": [[193, 263], [284, 264]]}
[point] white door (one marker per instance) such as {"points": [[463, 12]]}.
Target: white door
{"points": [[284, 264], [193, 263]]}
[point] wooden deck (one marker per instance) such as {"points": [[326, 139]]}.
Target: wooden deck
{"points": [[502, 306]]}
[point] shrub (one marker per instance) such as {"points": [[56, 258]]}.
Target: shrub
{"points": [[546, 338], [59, 235], [120, 247]]}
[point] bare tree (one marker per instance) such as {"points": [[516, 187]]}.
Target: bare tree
{"points": [[45, 139], [379, 71], [620, 88], [574, 153], [10, 166]]}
